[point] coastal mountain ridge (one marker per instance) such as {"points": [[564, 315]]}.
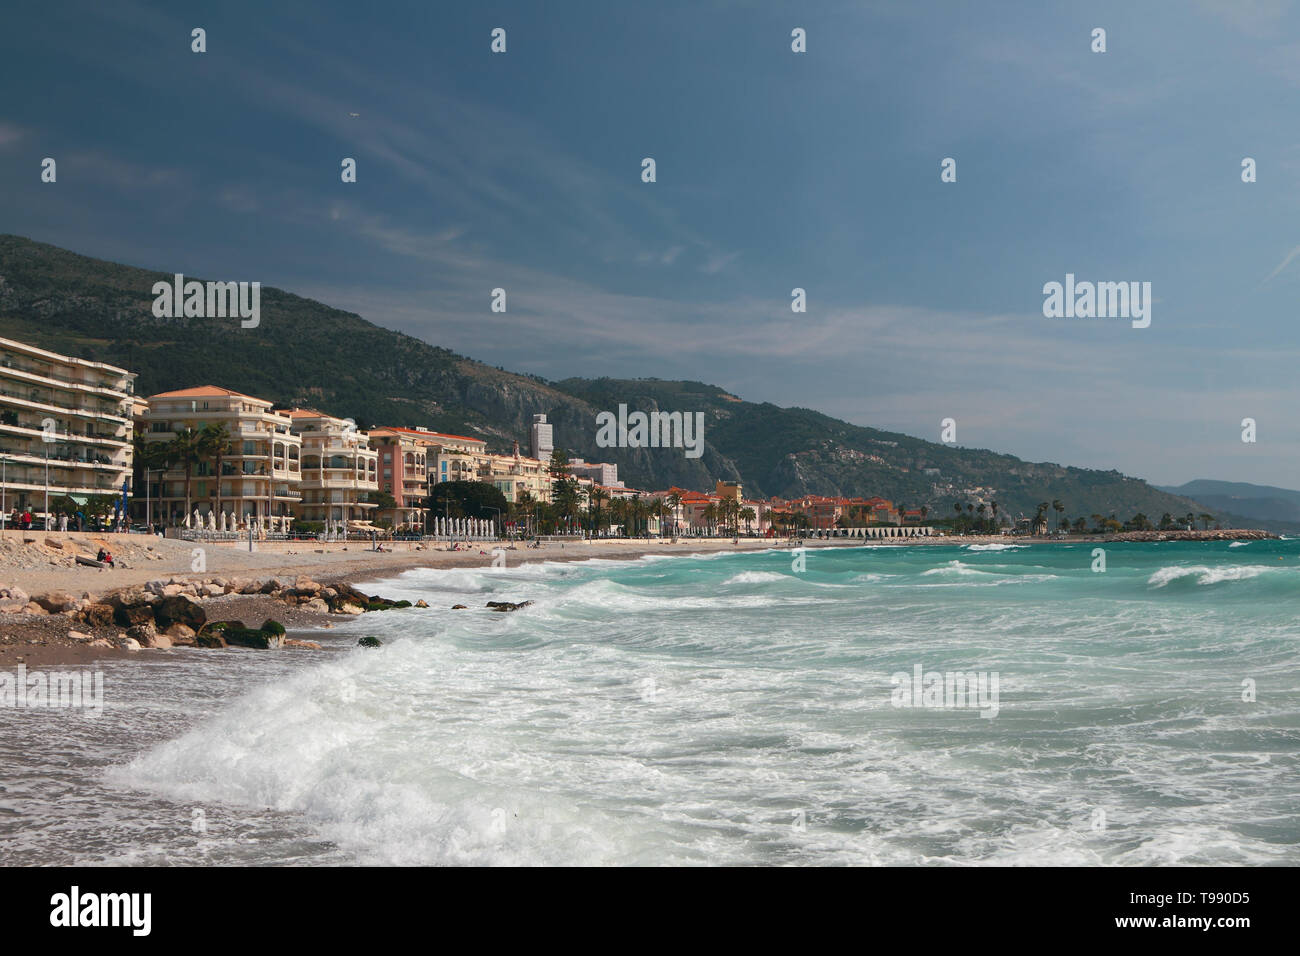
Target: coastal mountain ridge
{"points": [[306, 353], [1256, 506]]}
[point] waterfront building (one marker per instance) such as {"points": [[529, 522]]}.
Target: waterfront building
{"points": [[260, 461], [74, 414], [340, 468]]}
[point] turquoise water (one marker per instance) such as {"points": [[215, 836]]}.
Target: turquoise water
{"points": [[727, 709]]}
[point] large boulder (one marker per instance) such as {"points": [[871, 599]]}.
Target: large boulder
{"points": [[56, 601], [14, 595], [209, 639], [247, 637], [179, 609], [507, 605], [147, 636], [98, 615], [126, 615]]}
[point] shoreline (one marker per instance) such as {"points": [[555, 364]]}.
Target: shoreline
{"points": [[41, 639]]}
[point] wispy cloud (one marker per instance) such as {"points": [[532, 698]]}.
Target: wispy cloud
{"points": [[1289, 258]]}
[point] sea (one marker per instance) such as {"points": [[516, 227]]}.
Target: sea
{"points": [[1003, 704]]}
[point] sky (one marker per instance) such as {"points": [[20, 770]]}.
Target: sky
{"points": [[775, 170]]}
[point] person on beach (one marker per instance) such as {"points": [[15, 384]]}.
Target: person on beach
{"points": [[27, 520], [63, 522]]}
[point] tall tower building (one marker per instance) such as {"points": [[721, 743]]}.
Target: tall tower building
{"points": [[543, 444]]}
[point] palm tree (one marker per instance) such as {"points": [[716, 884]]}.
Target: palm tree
{"points": [[215, 441], [187, 449], [1205, 521], [523, 505], [596, 497], [747, 515], [152, 456], [710, 515], [675, 501], [1060, 512], [660, 511], [994, 506]]}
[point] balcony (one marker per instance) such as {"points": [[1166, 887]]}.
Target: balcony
{"points": [[49, 373]]}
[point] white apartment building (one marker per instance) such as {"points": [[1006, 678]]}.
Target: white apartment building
{"points": [[260, 461], [72, 413], [340, 468]]}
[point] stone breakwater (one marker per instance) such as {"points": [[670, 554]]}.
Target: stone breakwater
{"points": [[175, 612], [178, 612], [1217, 535]]}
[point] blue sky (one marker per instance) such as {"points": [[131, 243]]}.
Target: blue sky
{"points": [[775, 170]]}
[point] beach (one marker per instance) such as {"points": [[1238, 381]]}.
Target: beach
{"points": [[696, 706]]}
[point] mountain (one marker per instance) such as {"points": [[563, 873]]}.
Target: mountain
{"points": [[306, 353], [1262, 506]]}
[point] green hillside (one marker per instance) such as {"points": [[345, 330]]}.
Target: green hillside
{"points": [[306, 353]]}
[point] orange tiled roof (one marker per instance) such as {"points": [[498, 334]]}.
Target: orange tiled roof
{"points": [[207, 391]]}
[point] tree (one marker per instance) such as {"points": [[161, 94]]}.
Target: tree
{"points": [[564, 487], [215, 442], [675, 501], [465, 499], [747, 515], [152, 456], [1060, 512], [597, 496], [710, 515], [187, 449]]}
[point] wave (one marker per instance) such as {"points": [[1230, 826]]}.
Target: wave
{"points": [[1239, 544], [994, 547], [1206, 575], [985, 576], [757, 577]]}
